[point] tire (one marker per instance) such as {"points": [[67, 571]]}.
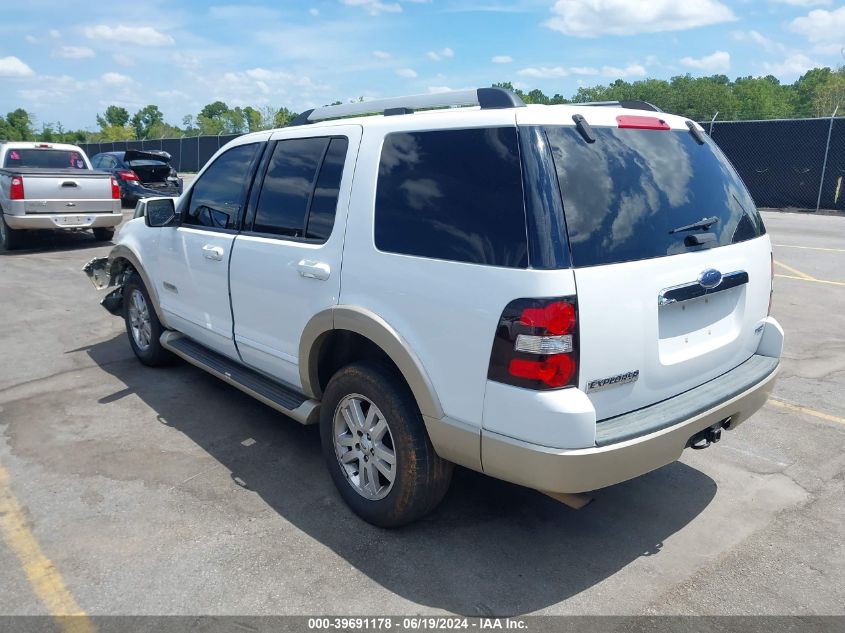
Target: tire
{"points": [[103, 234], [142, 324], [420, 478], [10, 239]]}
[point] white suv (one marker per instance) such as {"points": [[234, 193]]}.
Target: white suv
{"points": [[564, 297]]}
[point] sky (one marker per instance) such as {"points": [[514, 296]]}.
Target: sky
{"points": [[65, 61]]}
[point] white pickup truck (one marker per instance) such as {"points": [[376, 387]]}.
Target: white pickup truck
{"points": [[52, 186]]}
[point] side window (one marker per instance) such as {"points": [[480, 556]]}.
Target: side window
{"points": [[96, 162], [453, 195], [324, 203], [219, 194], [288, 185]]}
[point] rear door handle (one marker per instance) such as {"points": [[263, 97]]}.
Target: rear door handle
{"points": [[313, 269], [209, 251]]}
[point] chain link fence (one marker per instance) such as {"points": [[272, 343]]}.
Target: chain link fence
{"points": [[786, 163], [188, 154]]}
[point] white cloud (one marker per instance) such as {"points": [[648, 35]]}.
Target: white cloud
{"points": [[631, 70], [501, 59], [123, 60], [31, 39], [186, 61], [833, 48], [381, 55], [374, 7], [438, 89], [441, 54], [407, 73], [755, 37], [242, 12], [257, 87], [55, 34], [554, 72], [141, 35], [74, 52], [13, 67], [314, 11], [545, 72], [793, 66], [115, 79], [718, 62], [821, 25], [622, 17], [802, 3]]}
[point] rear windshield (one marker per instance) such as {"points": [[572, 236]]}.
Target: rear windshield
{"points": [[45, 158], [624, 193]]}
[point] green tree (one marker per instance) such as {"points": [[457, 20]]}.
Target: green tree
{"points": [[234, 121], [211, 119], [116, 133], [282, 117], [254, 119], [830, 94], [806, 89], [17, 126], [114, 116], [144, 119]]}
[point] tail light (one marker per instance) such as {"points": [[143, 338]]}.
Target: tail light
{"points": [[16, 188], [115, 189], [128, 174], [536, 344]]}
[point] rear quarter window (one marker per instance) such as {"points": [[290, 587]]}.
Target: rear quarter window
{"points": [[624, 193], [454, 195]]}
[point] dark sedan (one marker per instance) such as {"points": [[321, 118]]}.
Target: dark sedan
{"points": [[140, 174]]}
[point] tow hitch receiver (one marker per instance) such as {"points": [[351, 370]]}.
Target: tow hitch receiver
{"points": [[712, 434]]}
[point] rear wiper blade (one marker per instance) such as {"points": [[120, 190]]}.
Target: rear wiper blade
{"points": [[703, 223]]}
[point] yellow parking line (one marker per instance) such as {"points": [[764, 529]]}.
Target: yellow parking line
{"points": [[41, 573], [781, 404], [795, 271], [818, 281], [811, 248]]}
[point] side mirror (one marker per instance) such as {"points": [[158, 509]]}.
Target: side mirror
{"points": [[159, 212]]}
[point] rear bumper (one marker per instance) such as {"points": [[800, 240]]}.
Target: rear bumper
{"points": [[53, 221], [581, 470]]}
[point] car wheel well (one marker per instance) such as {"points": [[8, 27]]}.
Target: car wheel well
{"points": [[121, 268], [339, 348]]}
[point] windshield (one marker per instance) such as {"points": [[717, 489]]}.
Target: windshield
{"points": [[626, 195], [45, 158]]}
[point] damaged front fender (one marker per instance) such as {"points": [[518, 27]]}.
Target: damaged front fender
{"points": [[99, 272], [104, 273]]}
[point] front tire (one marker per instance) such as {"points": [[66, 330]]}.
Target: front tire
{"points": [[10, 239], [102, 234], [377, 449], [142, 324]]}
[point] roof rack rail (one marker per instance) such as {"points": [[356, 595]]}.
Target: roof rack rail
{"points": [[631, 105], [486, 98]]}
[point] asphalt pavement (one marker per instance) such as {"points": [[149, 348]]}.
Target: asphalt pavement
{"points": [[165, 491]]}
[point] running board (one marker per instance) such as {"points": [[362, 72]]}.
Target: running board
{"points": [[273, 394]]}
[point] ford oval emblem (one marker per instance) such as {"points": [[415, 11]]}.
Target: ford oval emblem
{"points": [[710, 278]]}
